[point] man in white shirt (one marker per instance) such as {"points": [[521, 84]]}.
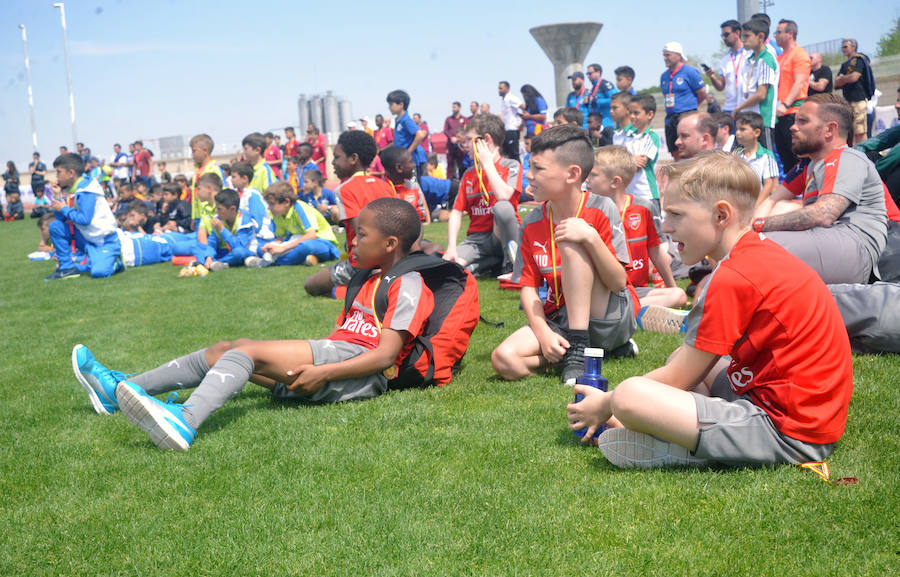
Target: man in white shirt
{"points": [[511, 113], [729, 74]]}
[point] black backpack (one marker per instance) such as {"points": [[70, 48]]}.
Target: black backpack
{"points": [[437, 352]]}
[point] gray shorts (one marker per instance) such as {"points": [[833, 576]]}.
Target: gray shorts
{"points": [[327, 352], [341, 272], [836, 253], [734, 430], [643, 291], [607, 333], [481, 250]]}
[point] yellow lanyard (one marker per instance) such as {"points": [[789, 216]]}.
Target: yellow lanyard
{"points": [[390, 372], [478, 173], [584, 196], [625, 208], [375, 314]]}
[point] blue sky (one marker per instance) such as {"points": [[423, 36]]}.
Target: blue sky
{"points": [[151, 69]]}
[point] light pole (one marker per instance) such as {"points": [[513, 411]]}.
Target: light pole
{"points": [[30, 93], [62, 17]]}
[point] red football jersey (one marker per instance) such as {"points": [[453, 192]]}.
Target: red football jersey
{"points": [[414, 197], [538, 252], [789, 348], [637, 220], [470, 198], [410, 302], [353, 195]]}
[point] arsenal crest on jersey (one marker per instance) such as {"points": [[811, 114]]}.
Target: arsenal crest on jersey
{"points": [[634, 221]]}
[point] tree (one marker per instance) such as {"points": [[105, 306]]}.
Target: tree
{"points": [[890, 41]]}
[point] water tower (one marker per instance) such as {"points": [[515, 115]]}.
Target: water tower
{"points": [[567, 46]]}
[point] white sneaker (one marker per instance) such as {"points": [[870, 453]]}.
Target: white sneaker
{"points": [[662, 319], [630, 449], [255, 262], [218, 265]]}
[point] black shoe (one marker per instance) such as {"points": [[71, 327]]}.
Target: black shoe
{"points": [[573, 362], [629, 349], [63, 273]]}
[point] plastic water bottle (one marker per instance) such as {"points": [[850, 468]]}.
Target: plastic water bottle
{"points": [[592, 377]]}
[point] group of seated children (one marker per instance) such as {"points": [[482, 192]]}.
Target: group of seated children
{"points": [[764, 375]]}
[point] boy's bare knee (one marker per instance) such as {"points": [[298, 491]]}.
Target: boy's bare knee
{"points": [[503, 360], [318, 284], [629, 398]]}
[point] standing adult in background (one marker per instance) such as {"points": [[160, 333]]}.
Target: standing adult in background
{"points": [[485, 108], [364, 122], [683, 91], [38, 172], [511, 113], [728, 76], [577, 99], [820, 80], [143, 164], [384, 136], [600, 94], [534, 109], [473, 110], [291, 142], [793, 84], [852, 79], [121, 164], [455, 154], [317, 140], [423, 126]]}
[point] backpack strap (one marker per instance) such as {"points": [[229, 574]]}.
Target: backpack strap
{"points": [[414, 261], [358, 279]]}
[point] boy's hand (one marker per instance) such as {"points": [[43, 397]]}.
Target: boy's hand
{"points": [[277, 249], [640, 160], [591, 412], [575, 230], [268, 247], [218, 224], [57, 205], [450, 254], [484, 154], [309, 379], [553, 346]]}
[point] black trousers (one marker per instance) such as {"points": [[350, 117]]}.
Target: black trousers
{"points": [[511, 144]]}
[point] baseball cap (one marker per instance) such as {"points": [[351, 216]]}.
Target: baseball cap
{"points": [[577, 75], [674, 47]]}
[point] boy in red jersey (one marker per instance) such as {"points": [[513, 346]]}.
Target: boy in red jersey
{"points": [[348, 365], [489, 192], [614, 167], [764, 375], [353, 153], [400, 170], [569, 242]]}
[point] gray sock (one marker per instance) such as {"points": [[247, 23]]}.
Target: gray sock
{"points": [[181, 373], [222, 382], [506, 226]]}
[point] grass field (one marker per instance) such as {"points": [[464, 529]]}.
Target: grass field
{"points": [[481, 477]]}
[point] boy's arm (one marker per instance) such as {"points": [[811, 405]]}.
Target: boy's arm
{"points": [[753, 99], [84, 214], [661, 261], [423, 206], [419, 138], [453, 225], [311, 378], [685, 369], [768, 187], [768, 203], [609, 269]]}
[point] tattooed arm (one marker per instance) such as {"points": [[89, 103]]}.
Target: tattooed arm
{"points": [[827, 209]]}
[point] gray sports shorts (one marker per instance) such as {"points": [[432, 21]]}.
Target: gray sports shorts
{"points": [[836, 252], [643, 291], [607, 333], [327, 352], [733, 430], [482, 250], [341, 272]]}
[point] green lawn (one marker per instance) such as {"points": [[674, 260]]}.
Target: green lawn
{"points": [[481, 477]]}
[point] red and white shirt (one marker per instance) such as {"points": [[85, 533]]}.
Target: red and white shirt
{"points": [[789, 349], [480, 204], [641, 233], [541, 256], [353, 195], [410, 302]]}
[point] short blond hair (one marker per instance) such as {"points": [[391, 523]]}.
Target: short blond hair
{"points": [[615, 161], [714, 175]]}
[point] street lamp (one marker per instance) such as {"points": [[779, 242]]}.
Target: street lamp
{"points": [[62, 16], [30, 93]]}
